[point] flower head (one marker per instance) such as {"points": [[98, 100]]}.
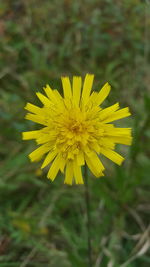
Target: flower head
{"points": [[76, 130]]}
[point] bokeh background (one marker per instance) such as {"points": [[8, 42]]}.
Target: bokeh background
{"points": [[42, 223]]}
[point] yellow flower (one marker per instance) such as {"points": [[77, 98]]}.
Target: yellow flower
{"points": [[76, 129]]}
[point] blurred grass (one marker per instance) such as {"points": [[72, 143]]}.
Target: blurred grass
{"points": [[43, 224]]}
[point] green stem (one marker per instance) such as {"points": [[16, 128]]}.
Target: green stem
{"points": [[87, 201]]}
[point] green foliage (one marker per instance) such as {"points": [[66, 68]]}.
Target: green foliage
{"points": [[42, 223]]}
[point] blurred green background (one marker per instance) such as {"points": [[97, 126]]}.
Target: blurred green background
{"points": [[42, 223]]}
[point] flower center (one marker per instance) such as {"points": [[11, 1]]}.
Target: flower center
{"points": [[76, 128]]}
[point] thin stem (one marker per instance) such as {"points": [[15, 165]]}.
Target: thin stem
{"points": [[87, 201]]}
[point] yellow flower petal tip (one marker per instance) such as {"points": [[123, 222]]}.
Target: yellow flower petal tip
{"points": [[76, 130]]}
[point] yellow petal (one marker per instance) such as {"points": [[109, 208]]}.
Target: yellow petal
{"points": [[80, 158], [57, 95], [77, 173], [39, 152], [30, 135], [122, 113], [77, 83], [54, 168], [93, 97], [53, 95], [104, 92], [50, 156], [36, 118], [59, 101], [95, 146], [92, 168], [119, 135], [125, 140], [66, 87], [118, 132], [49, 92], [112, 155], [106, 112], [34, 109], [44, 99], [62, 164], [94, 163], [107, 143], [45, 135], [44, 139], [87, 86], [69, 173]]}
